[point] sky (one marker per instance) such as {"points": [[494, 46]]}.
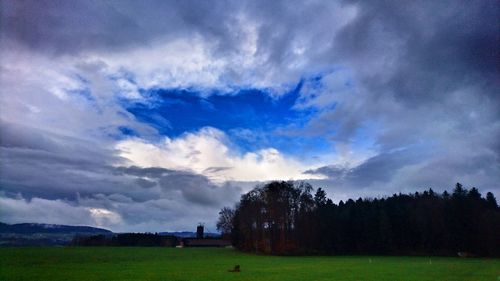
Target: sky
{"points": [[153, 115]]}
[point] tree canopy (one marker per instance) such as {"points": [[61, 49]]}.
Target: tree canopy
{"points": [[287, 218]]}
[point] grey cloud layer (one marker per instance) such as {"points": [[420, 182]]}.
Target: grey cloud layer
{"points": [[426, 74], [57, 179], [61, 27]]}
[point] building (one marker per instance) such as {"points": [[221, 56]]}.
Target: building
{"points": [[199, 231], [202, 241]]}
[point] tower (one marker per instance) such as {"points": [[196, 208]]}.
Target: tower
{"points": [[199, 231]]}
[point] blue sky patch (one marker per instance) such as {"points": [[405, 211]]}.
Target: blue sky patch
{"points": [[249, 117]]}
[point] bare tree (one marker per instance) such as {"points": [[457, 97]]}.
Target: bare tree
{"points": [[225, 222]]}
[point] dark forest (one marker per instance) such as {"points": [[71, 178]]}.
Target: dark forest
{"points": [[289, 218]]}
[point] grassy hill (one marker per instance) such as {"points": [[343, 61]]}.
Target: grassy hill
{"points": [[161, 264]]}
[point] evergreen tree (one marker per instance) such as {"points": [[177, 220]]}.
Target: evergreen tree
{"points": [[491, 200]]}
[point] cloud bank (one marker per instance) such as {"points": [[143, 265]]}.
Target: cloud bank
{"points": [[365, 99]]}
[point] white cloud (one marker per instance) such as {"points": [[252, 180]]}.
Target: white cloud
{"points": [[103, 217], [69, 96], [178, 63], [208, 152]]}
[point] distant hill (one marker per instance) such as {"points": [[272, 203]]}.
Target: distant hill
{"points": [[32, 228], [41, 234]]}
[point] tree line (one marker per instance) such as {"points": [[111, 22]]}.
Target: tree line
{"points": [[126, 239], [287, 218]]}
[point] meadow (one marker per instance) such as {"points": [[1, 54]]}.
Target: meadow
{"points": [[176, 264]]}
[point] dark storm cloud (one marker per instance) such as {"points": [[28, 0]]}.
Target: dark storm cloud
{"points": [[436, 46], [424, 73], [151, 172], [415, 56], [41, 163], [194, 188], [410, 170], [380, 168], [332, 171], [145, 183], [427, 35], [62, 27]]}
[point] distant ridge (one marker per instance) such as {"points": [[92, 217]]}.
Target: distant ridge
{"points": [[32, 228], [42, 234]]}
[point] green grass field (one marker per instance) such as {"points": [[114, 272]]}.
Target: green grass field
{"points": [[207, 264]]}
